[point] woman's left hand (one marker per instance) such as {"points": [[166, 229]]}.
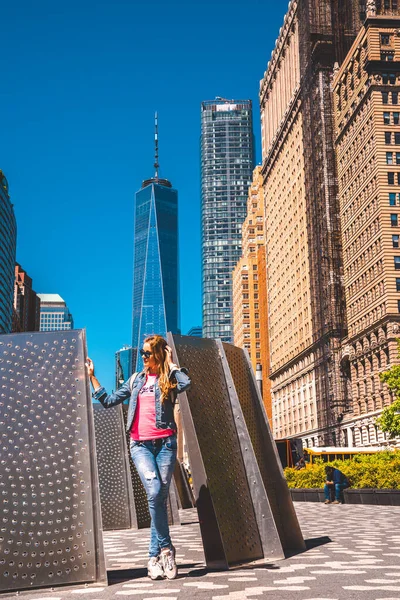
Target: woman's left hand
{"points": [[168, 351]]}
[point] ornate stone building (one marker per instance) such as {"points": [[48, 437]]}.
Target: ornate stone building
{"points": [[250, 317], [304, 277], [366, 91]]}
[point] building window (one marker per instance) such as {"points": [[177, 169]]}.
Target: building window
{"points": [[388, 78], [395, 97], [396, 117], [398, 306], [395, 241], [398, 178], [388, 56], [397, 263], [393, 220], [389, 158], [388, 137], [390, 178], [385, 97], [392, 199], [385, 39], [386, 118], [397, 284], [397, 158]]}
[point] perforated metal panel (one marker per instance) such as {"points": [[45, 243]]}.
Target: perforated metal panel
{"points": [[116, 494], [207, 413], [264, 448], [50, 531]]}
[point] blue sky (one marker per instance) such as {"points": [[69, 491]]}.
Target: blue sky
{"points": [[80, 82]]}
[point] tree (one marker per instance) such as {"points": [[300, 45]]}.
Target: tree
{"points": [[389, 421]]}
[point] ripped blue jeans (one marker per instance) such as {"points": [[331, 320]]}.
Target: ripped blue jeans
{"points": [[155, 462]]}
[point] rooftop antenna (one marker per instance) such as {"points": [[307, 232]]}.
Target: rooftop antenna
{"points": [[156, 163]]}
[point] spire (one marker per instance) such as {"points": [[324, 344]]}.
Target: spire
{"points": [[156, 179], [156, 164]]}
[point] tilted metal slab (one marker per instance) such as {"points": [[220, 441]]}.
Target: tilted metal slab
{"points": [[227, 518], [264, 447], [271, 543], [116, 495], [50, 518]]}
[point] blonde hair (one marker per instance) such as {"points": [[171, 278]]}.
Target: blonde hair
{"points": [[158, 347]]}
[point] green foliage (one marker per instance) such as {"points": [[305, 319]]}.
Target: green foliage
{"points": [[389, 421], [379, 471]]}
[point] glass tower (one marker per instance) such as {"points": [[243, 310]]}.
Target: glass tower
{"points": [[227, 162], [8, 240], [156, 266]]}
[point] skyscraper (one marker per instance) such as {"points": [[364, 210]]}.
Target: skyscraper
{"points": [[123, 365], [250, 305], [8, 240], [156, 265], [366, 92], [305, 271], [227, 162], [26, 302], [54, 313]]}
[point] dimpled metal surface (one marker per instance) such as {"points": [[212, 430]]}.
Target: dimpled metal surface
{"points": [[50, 528], [264, 448], [114, 475], [211, 413]]}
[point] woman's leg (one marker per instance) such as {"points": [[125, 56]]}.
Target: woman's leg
{"points": [[144, 459], [166, 458]]}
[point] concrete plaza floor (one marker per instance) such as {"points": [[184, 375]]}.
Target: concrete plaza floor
{"points": [[353, 552]]}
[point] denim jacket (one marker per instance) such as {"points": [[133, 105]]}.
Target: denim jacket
{"points": [[164, 410]]}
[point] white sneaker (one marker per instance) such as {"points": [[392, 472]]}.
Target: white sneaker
{"points": [[154, 568], [167, 558]]}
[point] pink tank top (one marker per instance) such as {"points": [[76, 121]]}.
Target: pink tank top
{"points": [[144, 423]]}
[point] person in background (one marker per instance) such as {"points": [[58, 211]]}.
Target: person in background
{"points": [[336, 482], [152, 395]]}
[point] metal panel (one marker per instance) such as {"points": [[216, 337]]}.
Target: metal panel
{"points": [[185, 494], [227, 518], [116, 493], [271, 543], [50, 517], [264, 448]]}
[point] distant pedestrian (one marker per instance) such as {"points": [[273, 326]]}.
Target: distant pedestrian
{"points": [[336, 482], [152, 394]]}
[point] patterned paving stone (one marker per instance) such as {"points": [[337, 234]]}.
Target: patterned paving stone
{"points": [[353, 554]]}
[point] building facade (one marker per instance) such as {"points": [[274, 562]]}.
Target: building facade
{"points": [[8, 241], [124, 359], [156, 264], [303, 245], [26, 302], [196, 331], [227, 162], [366, 91], [54, 313], [250, 312]]}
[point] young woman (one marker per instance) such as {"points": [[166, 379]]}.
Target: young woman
{"points": [[152, 394]]}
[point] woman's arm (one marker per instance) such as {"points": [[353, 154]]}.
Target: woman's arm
{"points": [[181, 375], [100, 394]]}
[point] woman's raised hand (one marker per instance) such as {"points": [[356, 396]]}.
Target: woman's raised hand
{"points": [[90, 367], [168, 352]]}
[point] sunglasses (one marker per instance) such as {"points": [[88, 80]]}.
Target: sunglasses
{"points": [[145, 353]]}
